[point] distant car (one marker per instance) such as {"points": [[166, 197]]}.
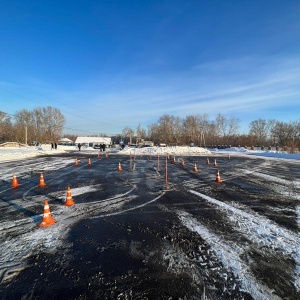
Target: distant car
{"points": [[97, 146], [132, 146]]}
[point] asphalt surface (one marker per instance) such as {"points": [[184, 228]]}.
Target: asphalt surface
{"points": [[134, 234]]}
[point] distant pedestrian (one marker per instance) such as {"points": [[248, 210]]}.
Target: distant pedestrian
{"points": [[55, 145], [52, 146], [79, 146]]}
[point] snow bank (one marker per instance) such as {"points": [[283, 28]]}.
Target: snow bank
{"points": [[15, 153], [173, 150]]}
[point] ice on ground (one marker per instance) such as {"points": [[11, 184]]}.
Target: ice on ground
{"points": [[270, 178], [229, 255], [262, 231]]}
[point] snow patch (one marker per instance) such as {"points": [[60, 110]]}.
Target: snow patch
{"points": [[262, 231], [229, 254]]}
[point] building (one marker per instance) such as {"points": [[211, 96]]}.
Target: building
{"points": [[65, 141], [92, 141]]}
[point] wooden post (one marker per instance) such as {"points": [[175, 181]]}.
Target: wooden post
{"points": [[166, 173]]}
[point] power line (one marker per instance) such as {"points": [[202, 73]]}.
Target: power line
{"points": [[69, 128]]}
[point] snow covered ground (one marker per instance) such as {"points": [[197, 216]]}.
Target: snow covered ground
{"points": [[15, 153], [26, 239]]}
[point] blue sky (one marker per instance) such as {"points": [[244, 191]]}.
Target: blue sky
{"points": [[111, 64]]}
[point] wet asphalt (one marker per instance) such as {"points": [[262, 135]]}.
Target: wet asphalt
{"points": [[133, 245]]}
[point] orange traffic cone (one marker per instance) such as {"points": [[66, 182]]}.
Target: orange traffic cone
{"points": [[174, 160], [218, 178], [98, 155], [215, 163], [207, 162], [14, 182], [47, 218], [182, 163], [42, 181], [195, 168], [69, 200], [119, 168], [76, 162], [89, 162]]}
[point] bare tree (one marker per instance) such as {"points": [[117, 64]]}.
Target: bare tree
{"points": [[221, 124], [177, 129], [5, 127], [283, 133], [260, 130], [154, 133], [233, 126], [43, 124], [140, 134], [190, 128], [128, 133]]}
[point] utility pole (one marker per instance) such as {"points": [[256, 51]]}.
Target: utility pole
{"points": [[25, 135]]}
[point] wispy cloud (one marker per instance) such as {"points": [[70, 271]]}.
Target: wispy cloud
{"points": [[246, 86]]}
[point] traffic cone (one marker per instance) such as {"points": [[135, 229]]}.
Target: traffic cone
{"points": [[119, 168], [215, 163], [218, 178], [174, 160], [47, 218], [89, 162], [182, 163], [42, 181], [207, 162], [14, 182], [195, 168], [106, 155], [69, 200], [76, 162], [98, 155]]}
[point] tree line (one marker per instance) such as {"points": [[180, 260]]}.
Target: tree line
{"points": [[42, 124], [201, 131], [45, 125]]}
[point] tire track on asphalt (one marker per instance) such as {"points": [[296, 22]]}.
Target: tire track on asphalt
{"points": [[229, 254], [261, 231], [32, 240]]}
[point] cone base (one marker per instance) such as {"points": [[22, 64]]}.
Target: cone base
{"points": [[42, 184], [48, 223], [70, 204], [218, 180]]}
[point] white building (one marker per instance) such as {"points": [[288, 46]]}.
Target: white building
{"points": [[65, 141], [92, 141]]}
